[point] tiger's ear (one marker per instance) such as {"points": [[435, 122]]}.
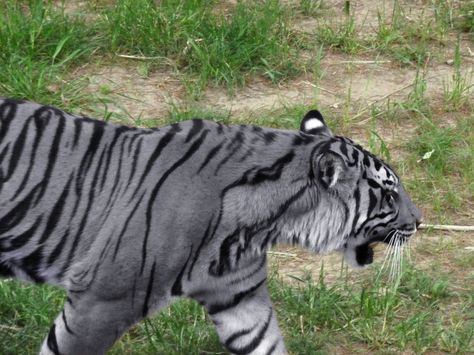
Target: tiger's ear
{"points": [[313, 123], [331, 169]]}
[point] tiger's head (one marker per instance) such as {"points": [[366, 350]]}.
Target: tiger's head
{"points": [[377, 207]]}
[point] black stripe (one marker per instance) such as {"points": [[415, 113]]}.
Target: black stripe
{"points": [[357, 207], [118, 132], [385, 224], [52, 342], [247, 154], [273, 347], [255, 341], [58, 249], [252, 273], [105, 171], [65, 323], [69, 301], [270, 233], [220, 307], [82, 224], [300, 139], [210, 155], [136, 157], [4, 152], [366, 161], [149, 289], [56, 213], [201, 244], [273, 172], [134, 138], [7, 113], [177, 288], [220, 128], [53, 155], [22, 238], [223, 265], [88, 157], [17, 213], [34, 149], [319, 149], [377, 216], [29, 264], [17, 151], [191, 151], [372, 202], [195, 129], [373, 184], [269, 137], [167, 138], [355, 156], [125, 226], [77, 131], [237, 335], [377, 164], [234, 145], [118, 175]]}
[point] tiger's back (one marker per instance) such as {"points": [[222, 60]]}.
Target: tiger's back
{"points": [[126, 218]]}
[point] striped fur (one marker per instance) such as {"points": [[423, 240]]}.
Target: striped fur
{"points": [[127, 219]]}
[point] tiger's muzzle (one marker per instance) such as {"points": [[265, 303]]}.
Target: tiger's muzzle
{"points": [[364, 253]]}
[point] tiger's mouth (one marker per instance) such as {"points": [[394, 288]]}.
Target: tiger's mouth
{"points": [[364, 253]]}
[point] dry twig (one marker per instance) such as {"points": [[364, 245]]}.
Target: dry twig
{"points": [[363, 62], [282, 254], [447, 227]]}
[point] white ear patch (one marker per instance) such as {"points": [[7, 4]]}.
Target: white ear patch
{"points": [[313, 123]]}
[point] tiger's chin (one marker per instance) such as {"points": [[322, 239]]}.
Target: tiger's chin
{"points": [[359, 257]]}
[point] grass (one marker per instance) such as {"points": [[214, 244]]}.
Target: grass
{"points": [[458, 92], [311, 7], [205, 43], [342, 36], [466, 17], [39, 45], [218, 48], [445, 157], [40, 42]]}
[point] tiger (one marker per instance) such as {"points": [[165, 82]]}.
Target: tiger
{"points": [[128, 220]]}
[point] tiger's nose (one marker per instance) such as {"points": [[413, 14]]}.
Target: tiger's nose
{"points": [[418, 216]]}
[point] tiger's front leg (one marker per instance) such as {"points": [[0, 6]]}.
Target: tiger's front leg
{"points": [[247, 324], [87, 326]]}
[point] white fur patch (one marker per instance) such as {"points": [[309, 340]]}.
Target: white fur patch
{"points": [[313, 123]]}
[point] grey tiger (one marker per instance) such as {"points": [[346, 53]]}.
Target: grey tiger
{"points": [[128, 219]]}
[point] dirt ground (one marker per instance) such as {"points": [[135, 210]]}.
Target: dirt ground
{"points": [[369, 79]]}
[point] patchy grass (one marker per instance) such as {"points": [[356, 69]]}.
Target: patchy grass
{"points": [[342, 36], [442, 160], [218, 48], [466, 17], [457, 93]]}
